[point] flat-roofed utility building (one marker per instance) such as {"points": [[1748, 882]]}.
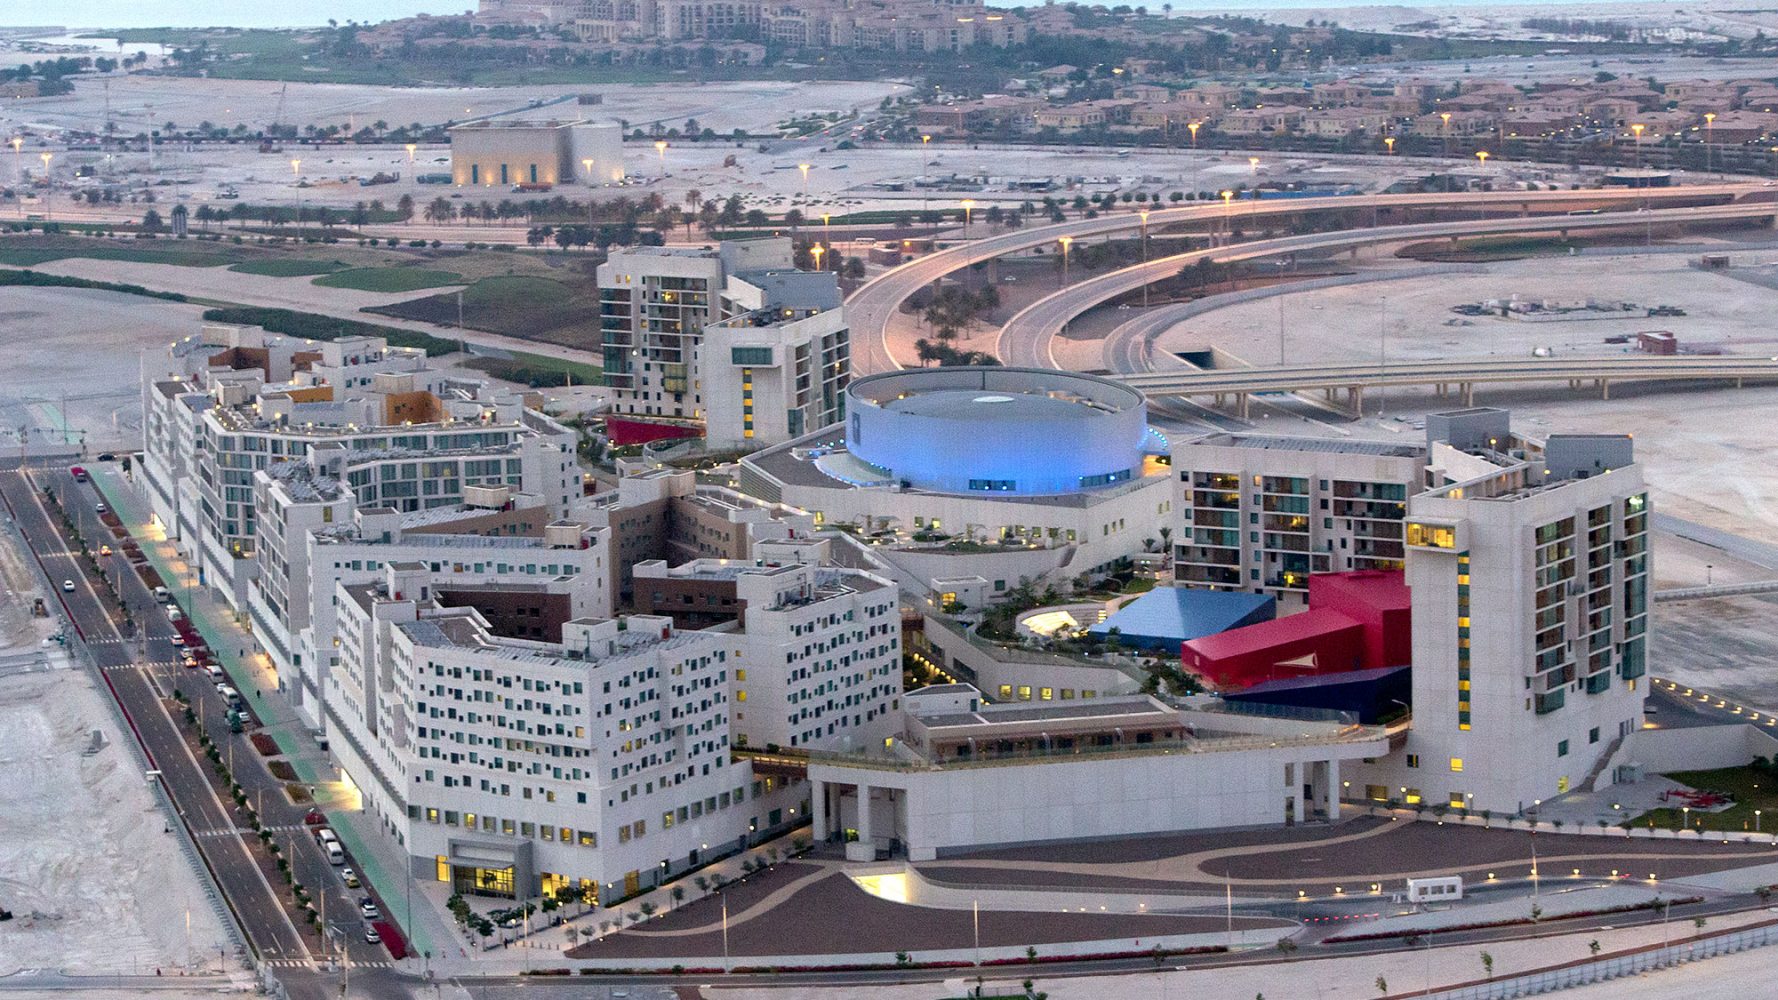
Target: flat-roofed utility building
{"points": [[506, 152]]}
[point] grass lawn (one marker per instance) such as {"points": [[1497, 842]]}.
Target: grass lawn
{"points": [[1751, 789], [288, 268], [525, 306], [389, 279], [538, 369], [180, 255]]}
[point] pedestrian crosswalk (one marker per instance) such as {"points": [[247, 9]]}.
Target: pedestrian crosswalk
{"points": [[304, 963], [226, 832]]}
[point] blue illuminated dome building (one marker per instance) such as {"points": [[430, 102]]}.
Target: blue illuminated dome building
{"points": [[991, 430]]}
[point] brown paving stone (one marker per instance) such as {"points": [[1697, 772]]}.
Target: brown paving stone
{"points": [[1126, 850], [1414, 847], [833, 916]]}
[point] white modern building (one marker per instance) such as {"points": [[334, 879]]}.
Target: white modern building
{"points": [[971, 776], [1529, 573], [1261, 512], [778, 368], [663, 513], [515, 767], [394, 432], [498, 550], [734, 337], [816, 650]]}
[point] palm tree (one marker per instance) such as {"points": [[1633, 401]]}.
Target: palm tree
{"points": [[693, 199], [440, 211]]}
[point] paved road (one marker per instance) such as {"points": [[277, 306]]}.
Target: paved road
{"points": [[1462, 374], [873, 306], [139, 665], [1028, 338]]}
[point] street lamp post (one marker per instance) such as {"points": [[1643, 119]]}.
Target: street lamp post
{"points": [[1444, 128], [296, 171], [660, 152], [1143, 215], [1228, 211], [1066, 241], [1389, 143], [804, 167], [411, 147], [1709, 137], [1637, 131], [48, 188], [1253, 166], [968, 207], [18, 169], [816, 251], [1382, 356]]}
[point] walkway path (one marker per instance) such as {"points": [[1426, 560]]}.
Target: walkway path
{"points": [[1414, 849], [827, 869]]}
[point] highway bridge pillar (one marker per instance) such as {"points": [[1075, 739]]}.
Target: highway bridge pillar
{"points": [[1241, 400], [1468, 390], [1355, 396], [1604, 388]]}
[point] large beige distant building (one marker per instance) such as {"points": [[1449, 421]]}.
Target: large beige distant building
{"points": [[509, 152]]}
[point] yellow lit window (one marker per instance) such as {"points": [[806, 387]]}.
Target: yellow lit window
{"points": [[1045, 694], [740, 696], [741, 674], [1463, 727], [1456, 765], [1463, 685], [1457, 801], [443, 869]]}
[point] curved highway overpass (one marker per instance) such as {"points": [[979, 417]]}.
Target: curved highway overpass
{"points": [[1461, 377], [872, 308], [1028, 338]]}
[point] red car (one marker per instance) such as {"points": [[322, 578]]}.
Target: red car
{"points": [[78, 473], [314, 818]]}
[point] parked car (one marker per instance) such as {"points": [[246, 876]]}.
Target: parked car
{"points": [[349, 877], [100, 507], [367, 907], [314, 818], [371, 936], [176, 639], [67, 586], [104, 550], [78, 473]]}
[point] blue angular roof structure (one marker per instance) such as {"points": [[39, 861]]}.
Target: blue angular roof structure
{"points": [[1165, 617]]}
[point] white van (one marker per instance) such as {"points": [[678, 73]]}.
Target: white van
{"points": [[335, 856]]}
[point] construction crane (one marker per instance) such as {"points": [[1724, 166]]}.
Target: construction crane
{"points": [[268, 143]]}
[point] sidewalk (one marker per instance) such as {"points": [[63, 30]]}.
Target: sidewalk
{"points": [[380, 862], [1406, 972]]}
